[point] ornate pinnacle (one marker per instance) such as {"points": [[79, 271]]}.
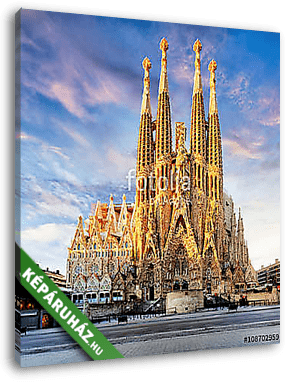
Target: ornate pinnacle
{"points": [[164, 44], [197, 47], [163, 84], [146, 65], [213, 100], [146, 96], [212, 66]]}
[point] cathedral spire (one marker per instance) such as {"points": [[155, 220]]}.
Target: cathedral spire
{"points": [[197, 47], [145, 143], [198, 148], [163, 121], [214, 141], [198, 123], [240, 221], [213, 98], [163, 83], [146, 91], [145, 161], [242, 249]]}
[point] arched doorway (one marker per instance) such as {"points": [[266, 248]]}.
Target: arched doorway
{"points": [[184, 285], [176, 286]]}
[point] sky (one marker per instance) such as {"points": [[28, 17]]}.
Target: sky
{"points": [[81, 89]]}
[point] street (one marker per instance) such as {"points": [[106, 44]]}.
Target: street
{"points": [[158, 335]]}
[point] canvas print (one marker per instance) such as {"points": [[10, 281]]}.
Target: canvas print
{"points": [[147, 188]]}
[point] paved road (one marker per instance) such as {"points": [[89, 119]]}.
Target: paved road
{"points": [[153, 336], [190, 325], [157, 328]]}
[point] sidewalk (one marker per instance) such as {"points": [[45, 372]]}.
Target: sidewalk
{"points": [[201, 314]]}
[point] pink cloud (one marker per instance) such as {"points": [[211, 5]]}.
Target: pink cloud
{"points": [[64, 79], [245, 143], [260, 104], [235, 148], [66, 95]]}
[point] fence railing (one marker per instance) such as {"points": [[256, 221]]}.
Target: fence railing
{"points": [[262, 302]]}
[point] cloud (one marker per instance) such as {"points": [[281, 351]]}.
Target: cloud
{"points": [[56, 207], [49, 232], [121, 163], [183, 73], [182, 56], [66, 95], [44, 198], [44, 161], [77, 137], [106, 91], [260, 104], [244, 144], [100, 89], [239, 88], [47, 244], [58, 151], [234, 148], [268, 107], [43, 147], [69, 73]]}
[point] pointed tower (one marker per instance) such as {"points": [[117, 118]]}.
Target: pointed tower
{"points": [[198, 151], [241, 245], [233, 243], [214, 142], [145, 161], [215, 207], [145, 143], [198, 123], [163, 122], [163, 150], [145, 154], [163, 139]]}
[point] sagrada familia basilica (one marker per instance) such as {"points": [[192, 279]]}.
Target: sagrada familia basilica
{"points": [[181, 234]]}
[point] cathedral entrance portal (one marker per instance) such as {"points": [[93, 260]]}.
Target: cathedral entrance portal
{"points": [[184, 285]]}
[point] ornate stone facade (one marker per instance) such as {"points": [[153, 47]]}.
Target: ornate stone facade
{"points": [[181, 232]]}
